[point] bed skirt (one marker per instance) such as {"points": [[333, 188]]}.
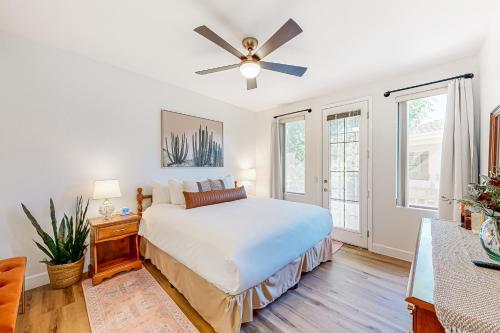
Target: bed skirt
{"points": [[224, 312]]}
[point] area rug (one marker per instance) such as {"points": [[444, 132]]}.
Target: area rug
{"points": [[133, 302]]}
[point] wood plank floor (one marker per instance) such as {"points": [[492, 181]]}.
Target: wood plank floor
{"points": [[357, 292]]}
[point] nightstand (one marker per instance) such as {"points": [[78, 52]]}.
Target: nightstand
{"points": [[114, 246]]}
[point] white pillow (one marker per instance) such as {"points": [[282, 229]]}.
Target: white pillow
{"points": [[228, 181], [176, 189], [190, 185], [161, 193]]}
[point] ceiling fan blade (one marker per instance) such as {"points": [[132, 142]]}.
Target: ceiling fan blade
{"points": [[288, 31], [282, 68], [251, 83], [209, 34], [217, 69]]}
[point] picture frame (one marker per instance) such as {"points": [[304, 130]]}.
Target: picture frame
{"points": [[191, 141]]}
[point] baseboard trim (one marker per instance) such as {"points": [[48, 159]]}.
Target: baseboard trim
{"points": [[392, 252], [37, 280], [41, 279]]}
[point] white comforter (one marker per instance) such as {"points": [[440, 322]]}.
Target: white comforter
{"points": [[236, 245]]}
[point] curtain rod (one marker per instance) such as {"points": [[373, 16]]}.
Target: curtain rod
{"points": [[286, 114], [464, 76]]}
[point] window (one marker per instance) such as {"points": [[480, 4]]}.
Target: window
{"points": [[418, 165], [421, 124], [293, 154]]}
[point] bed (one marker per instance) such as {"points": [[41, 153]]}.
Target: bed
{"points": [[231, 258]]}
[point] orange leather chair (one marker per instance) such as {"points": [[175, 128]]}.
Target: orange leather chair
{"points": [[11, 289]]}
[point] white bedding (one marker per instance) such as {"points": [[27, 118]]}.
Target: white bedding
{"points": [[236, 245]]}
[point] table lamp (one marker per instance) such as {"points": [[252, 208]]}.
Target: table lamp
{"points": [[106, 189]]}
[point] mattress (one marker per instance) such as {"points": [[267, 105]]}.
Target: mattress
{"points": [[236, 245]]}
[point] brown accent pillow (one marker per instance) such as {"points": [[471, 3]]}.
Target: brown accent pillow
{"points": [[199, 199]]}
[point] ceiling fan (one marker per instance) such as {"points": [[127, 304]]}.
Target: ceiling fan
{"points": [[251, 63]]}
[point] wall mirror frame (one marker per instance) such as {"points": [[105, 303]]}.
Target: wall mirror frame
{"points": [[494, 151]]}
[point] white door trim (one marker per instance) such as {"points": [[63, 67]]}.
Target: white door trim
{"points": [[369, 184]]}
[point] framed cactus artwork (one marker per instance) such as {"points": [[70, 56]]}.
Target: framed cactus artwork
{"points": [[188, 141]]}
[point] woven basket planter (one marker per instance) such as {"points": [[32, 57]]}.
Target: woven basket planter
{"points": [[62, 276]]}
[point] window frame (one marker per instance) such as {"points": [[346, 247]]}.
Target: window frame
{"points": [[281, 125], [402, 191]]}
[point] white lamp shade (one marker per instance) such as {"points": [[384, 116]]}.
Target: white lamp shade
{"points": [[105, 189], [250, 69], [248, 174]]}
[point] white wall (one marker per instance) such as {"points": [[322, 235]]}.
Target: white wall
{"points": [[67, 120], [489, 60], [394, 229]]}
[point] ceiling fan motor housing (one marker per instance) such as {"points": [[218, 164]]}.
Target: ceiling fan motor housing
{"points": [[250, 43]]}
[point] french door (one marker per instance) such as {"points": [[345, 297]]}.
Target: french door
{"points": [[345, 171]]}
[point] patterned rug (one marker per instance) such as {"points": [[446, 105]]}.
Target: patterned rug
{"points": [[133, 302]]}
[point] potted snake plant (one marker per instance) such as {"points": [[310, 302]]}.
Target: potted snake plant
{"points": [[66, 248]]}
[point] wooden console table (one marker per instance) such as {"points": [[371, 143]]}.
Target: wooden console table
{"points": [[420, 292]]}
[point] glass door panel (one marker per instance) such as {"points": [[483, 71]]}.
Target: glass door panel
{"points": [[345, 170]]}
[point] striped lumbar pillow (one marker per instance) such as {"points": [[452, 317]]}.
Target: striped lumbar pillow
{"points": [[204, 186], [216, 184]]}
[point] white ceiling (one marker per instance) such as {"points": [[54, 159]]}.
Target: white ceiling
{"points": [[343, 43]]}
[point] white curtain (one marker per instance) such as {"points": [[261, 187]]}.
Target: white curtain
{"points": [[459, 155], [276, 163]]}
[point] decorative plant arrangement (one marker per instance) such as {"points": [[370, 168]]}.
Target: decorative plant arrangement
{"points": [[485, 198], [66, 248]]}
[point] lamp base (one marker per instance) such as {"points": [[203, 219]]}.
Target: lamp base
{"points": [[106, 209]]}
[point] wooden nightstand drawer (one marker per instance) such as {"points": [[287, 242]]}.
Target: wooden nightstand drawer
{"points": [[116, 230]]}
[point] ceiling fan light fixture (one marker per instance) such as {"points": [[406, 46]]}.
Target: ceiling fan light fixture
{"points": [[251, 64], [250, 69]]}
